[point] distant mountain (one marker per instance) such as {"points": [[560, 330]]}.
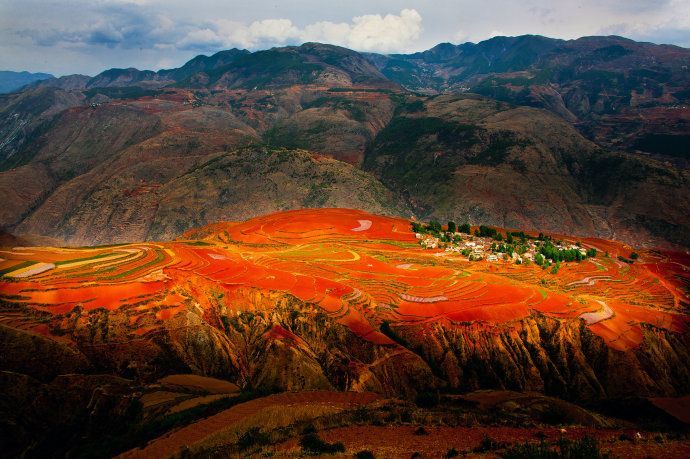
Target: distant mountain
{"points": [[621, 93], [277, 67], [10, 81], [587, 136]]}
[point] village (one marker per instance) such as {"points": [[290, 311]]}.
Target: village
{"points": [[486, 243]]}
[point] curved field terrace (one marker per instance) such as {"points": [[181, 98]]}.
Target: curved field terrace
{"points": [[360, 269]]}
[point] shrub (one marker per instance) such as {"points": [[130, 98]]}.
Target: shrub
{"points": [[554, 415], [435, 226], [309, 428], [421, 431], [252, 437], [452, 453], [452, 227], [584, 448], [634, 256], [488, 444], [427, 399], [313, 444], [530, 451], [625, 437], [365, 454]]}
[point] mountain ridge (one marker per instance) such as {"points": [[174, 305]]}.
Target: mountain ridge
{"points": [[11, 81], [606, 169]]}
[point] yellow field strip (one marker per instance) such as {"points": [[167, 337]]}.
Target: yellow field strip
{"points": [[32, 270]]}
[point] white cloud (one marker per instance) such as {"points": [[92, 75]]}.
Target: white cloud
{"points": [[279, 30], [327, 32], [389, 33], [371, 32], [460, 37], [201, 39]]}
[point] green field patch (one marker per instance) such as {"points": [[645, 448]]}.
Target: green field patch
{"points": [[77, 260], [160, 256], [197, 243], [91, 247]]}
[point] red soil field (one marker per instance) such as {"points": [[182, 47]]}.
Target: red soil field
{"points": [[400, 441], [171, 443], [359, 268]]}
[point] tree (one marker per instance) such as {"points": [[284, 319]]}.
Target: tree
{"points": [[452, 227], [435, 226], [539, 259], [465, 228], [486, 231], [509, 238], [592, 253], [634, 256]]}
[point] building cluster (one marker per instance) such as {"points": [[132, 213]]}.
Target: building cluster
{"points": [[476, 248]]}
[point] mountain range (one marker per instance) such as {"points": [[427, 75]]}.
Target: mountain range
{"points": [[586, 136], [11, 81]]}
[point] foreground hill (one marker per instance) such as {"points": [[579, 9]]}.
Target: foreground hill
{"points": [[345, 299], [333, 299]]}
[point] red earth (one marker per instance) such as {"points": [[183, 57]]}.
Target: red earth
{"points": [[360, 268]]}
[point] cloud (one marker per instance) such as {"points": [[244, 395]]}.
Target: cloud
{"points": [[371, 32], [201, 39], [90, 35], [674, 29], [637, 6], [124, 25], [128, 25]]}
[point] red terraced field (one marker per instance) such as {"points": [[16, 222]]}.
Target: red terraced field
{"points": [[359, 268]]}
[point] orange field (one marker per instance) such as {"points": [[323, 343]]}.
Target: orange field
{"points": [[361, 269]]}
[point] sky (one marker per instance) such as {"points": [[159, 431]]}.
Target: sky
{"points": [[88, 36]]}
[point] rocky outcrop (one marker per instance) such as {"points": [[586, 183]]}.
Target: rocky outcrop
{"points": [[560, 358], [281, 343]]}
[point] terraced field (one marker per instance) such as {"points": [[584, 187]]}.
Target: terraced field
{"points": [[360, 269]]}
